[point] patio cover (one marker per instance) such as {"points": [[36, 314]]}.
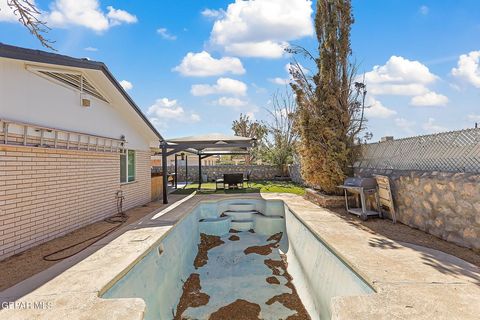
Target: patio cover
{"points": [[204, 146]]}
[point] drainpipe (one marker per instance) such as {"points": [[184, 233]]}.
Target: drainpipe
{"points": [[163, 145]]}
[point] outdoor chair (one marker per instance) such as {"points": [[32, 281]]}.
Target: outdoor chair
{"points": [[229, 180]]}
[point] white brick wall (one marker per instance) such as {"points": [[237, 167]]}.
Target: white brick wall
{"points": [[46, 193]]}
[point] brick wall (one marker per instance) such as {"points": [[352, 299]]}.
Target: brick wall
{"points": [[46, 193]]}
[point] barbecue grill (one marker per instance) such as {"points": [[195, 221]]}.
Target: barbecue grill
{"points": [[361, 187]]}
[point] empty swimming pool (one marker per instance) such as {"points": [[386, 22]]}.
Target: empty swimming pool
{"points": [[234, 257]]}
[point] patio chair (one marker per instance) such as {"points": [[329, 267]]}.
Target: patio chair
{"points": [[229, 180]]}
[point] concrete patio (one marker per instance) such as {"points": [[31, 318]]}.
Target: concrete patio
{"points": [[411, 282]]}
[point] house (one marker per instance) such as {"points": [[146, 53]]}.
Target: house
{"points": [[73, 146]]}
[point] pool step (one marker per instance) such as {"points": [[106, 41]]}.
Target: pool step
{"points": [[243, 225], [240, 215], [215, 226], [241, 207]]}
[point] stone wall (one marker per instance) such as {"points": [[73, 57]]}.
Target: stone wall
{"points": [[295, 173], [258, 172], [446, 205]]}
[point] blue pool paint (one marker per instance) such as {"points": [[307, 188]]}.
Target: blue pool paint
{"points": [[318, 274]]}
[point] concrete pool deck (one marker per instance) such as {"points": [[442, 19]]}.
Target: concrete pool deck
{"points": [[412, 282]]}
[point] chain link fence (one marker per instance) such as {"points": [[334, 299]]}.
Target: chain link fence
{"points": [[455, 151]]}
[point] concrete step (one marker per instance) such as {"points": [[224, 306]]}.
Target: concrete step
{"points": [[241, 207], [240, 215], [244, 225], [215, 226]]}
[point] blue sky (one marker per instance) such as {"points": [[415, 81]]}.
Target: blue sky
{"points": [[194, 66]]}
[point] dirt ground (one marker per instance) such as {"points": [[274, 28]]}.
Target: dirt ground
{"points": [[401, 232], [25, 264]]}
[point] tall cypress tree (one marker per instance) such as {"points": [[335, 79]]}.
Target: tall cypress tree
{"points": [[328, 110]]}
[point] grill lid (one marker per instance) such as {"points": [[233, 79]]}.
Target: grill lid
{"points": [[366, 183]]}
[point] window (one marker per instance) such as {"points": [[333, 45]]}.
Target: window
{"points": [[127, 166]]}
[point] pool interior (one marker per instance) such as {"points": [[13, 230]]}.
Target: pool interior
{"points": [[238, 259], [240, 274]]}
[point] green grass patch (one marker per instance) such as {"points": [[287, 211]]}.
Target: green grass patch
{"points": [[255, 187]]}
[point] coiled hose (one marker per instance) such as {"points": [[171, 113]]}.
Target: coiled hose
{"points": [[118, 219]]}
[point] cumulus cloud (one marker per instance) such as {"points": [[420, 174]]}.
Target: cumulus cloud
{"points": [[127, 85], [165, 110], [431, 126], [6, 13], [429, 99], [86, 13], [231, 102], [468, 68], [163, 32], [261, 28], [399, 71], [403, 77], [222, 86], [202, 64], [377, 110], [91, 49]]}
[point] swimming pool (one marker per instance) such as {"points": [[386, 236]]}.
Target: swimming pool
{"points": [[239, 255]]}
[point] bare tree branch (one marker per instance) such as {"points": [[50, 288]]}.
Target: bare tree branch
{"points": [[28, 15]]}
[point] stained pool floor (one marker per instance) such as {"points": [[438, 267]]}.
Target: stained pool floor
{"points": [[241, 275]]}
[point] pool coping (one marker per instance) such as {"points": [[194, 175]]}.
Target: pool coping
{"points": [[76, 293]]}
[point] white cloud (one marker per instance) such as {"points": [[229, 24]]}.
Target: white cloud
{"points": [[429, 99], [86, 13], [377, 110], [424, 10], [399, 70], [127, 85], [230, 102], [212, 13], [431, 127], [92, 49], [263, 49], [6, 13], [468, 68], [164, 110], [405, 125], [202, 64], [261, 28], [163, 32], [398, 89], [118, 16], [222, 86]]}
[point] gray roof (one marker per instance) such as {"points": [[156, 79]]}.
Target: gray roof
{"points": [[210, 138], [18, 53]]}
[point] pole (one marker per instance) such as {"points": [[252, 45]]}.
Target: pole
{"points": [[176, 171], [199, 172], [186, 170], [165, 173]]}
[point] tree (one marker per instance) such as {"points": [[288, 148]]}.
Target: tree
{"points": [[28, 15], [330, 113], [246, 127], [279, 144]]}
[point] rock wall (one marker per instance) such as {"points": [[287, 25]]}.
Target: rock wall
{"points": [[295, 173], [258, 172], [446, 205]]}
